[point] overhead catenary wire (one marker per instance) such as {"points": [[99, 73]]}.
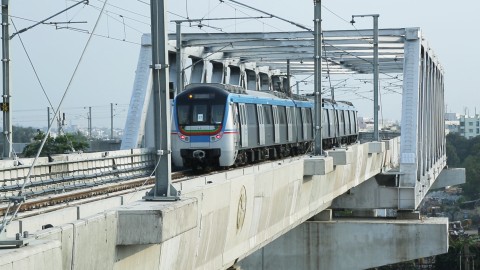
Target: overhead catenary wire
{"points": [[42, 21], [33, 67], [351, 24], [4, 222], [83, 32]]}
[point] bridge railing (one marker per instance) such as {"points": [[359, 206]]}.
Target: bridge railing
{"points": [[72, 171]]}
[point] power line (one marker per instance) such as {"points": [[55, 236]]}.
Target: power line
{"points": [[71, 29], [125, 9], [33, 67]]}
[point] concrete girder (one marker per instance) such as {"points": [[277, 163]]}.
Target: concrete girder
{"points": [[351, 243]]}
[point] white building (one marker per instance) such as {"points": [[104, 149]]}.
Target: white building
{"points": [[452, 123], [469, 126]]}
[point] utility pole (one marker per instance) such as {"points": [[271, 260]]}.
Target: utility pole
{"points": [[111, 121], [180, 73], [48, 117], [89, 118], [375, 77], [317, 56], [6, 104], [161, 104], [90, 122], [289, 91], [59, 123], [375, 71]]}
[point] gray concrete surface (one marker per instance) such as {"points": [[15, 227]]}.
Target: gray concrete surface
{"points": [[349, 244], [236, 213]]}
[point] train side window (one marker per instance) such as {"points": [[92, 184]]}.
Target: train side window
{"points": [[292, 113], [281, 114], [261, 119], [308, 115], [268, 114], [252, 114]]}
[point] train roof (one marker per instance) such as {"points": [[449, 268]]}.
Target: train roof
{"points": [[280, 97]]}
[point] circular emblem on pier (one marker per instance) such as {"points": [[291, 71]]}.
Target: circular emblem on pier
{"points": [[242, 208]]}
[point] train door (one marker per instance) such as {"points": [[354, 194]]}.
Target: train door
{"points": [[236, 122], [289, 125], [331, 124], [347, 123], [304, 124], [243, 124], [261, 125], [276, 123], [352, 122], [298, 117]]}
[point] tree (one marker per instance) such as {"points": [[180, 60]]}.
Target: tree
{"points": [[472, 169], [452, 158], [22, 134], [58, 145]]}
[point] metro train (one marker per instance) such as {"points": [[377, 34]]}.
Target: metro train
{"points": [[225, 125]]}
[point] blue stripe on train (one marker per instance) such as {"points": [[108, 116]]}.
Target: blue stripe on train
{"points": [[199, 138]]}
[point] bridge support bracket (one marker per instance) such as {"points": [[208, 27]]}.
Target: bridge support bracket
{"points": [[317, 165], [341, 156], [376, 147]]}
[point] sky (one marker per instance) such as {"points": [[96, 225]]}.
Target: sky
{"points": [[107, 72]]}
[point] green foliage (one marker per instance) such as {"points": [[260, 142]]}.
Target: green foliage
{"points": [[346, 213], [461, 148], [453, 160], [23, 134], [58, 145], [465, 153], [451, 260]]}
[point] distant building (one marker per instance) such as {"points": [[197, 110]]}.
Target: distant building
{"points": [[366, 124], [452, 116], [452, 123], [469, 126]]}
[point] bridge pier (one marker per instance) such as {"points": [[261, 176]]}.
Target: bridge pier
{"points": [[351, 243]]}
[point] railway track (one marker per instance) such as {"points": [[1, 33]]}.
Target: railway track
{"points": [[87, 195], [53, 202]]}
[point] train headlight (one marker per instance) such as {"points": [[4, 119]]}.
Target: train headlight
{"points": [[216, 137], [183, 137]]}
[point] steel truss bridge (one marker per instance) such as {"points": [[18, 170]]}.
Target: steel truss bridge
{"points": [[248, 215]]}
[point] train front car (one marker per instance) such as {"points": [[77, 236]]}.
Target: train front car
{"points": [[204, 133]]}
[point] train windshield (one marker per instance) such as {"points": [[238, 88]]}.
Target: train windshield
{"points": [[201, 106], [198, 114]]}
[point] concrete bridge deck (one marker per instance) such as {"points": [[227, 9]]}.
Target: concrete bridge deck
{"points": [[221, 219]]}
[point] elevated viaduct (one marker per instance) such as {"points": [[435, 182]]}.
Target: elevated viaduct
{"points": [[274, 215]]}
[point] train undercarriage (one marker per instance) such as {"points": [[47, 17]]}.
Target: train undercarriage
{"points": [[208, 159]]}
